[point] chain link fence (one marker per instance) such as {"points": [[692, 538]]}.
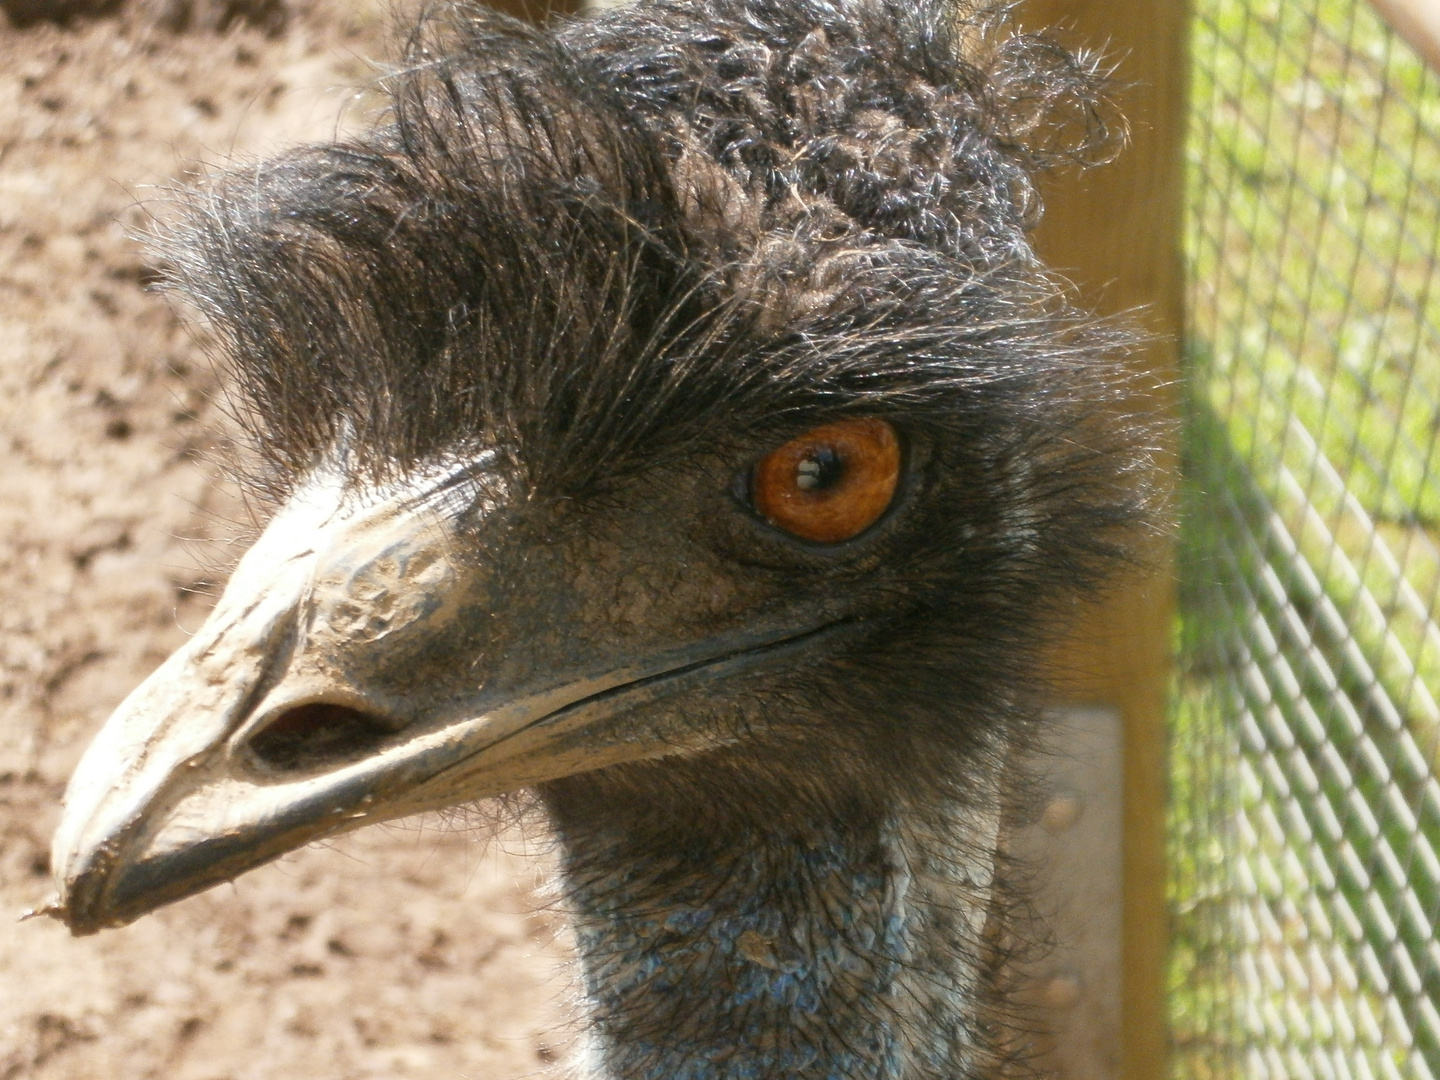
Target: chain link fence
{"points": [[1305, 807]]}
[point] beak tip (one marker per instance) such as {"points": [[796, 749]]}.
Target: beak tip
{"points": [[52, 909], [83, 896], [56, 908]]}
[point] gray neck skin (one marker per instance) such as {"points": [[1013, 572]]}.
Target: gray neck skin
{"points": [[719, 942]]}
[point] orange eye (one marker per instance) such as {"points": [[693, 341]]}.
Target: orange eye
{"points": [[832, 483]]}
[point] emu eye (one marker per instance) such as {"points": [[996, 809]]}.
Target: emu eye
{"points": [[831, 483]]}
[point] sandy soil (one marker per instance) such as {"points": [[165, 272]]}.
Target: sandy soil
{"points": [[397, 952]]}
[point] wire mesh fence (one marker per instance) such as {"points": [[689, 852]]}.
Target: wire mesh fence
{"points": [[1305, 804]]}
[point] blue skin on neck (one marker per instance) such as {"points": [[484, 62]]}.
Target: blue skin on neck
{"points": [[755, 965]]}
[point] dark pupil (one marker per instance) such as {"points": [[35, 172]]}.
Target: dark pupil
{"points": [[820, 469]]}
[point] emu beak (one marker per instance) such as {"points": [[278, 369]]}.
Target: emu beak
{"points": [[340, 681]]}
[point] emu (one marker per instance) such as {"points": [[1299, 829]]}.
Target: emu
{"points": [[669, 424]]}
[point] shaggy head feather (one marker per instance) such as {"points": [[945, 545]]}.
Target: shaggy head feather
{"points": [[634, 235]]}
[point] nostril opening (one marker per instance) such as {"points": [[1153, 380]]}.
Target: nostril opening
{"points": [[319, 735]]}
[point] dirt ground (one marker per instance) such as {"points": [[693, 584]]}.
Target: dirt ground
{"points": [[399, 951]]}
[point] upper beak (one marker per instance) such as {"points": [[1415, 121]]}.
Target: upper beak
{"points": [[271, 728]]}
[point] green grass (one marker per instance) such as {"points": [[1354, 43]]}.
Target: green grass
{"points": [[1305, 816]]}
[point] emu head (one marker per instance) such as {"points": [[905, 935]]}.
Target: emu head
{"points": [[671, 392]]}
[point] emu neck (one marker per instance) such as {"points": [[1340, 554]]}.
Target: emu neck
{"points": [[716, 945]]}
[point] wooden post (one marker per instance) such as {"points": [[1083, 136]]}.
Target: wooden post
{"points": [[1418, 22], [1116, 233]]}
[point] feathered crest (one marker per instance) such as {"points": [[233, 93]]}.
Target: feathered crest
{"points": [[634, 234]]}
